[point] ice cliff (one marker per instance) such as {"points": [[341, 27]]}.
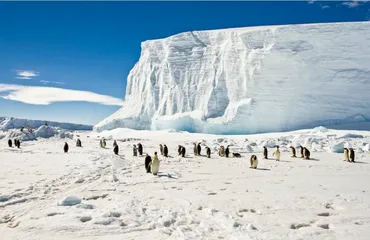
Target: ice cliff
{"points": [[250, 80]]}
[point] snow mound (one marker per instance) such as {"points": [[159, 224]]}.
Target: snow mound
{"points": [[337, 147], [69, 201], [320, 129], [24, 135], [226, 81], [48, 132]]}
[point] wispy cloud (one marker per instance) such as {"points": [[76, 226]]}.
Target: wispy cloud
{"points": [[324, 7], [311, 1], [351, 4], [51, 82], [47, 95], [26, 74]]}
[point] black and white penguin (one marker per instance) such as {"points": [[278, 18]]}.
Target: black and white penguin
{"points": [[346, 155], [254, 161], [265, 152], [66, 147], [208, 151], [161, 149], [227, 151], [148, 160], [179, 149], [292, 149], [277, 154], [183, 151], [10, 143], [351, 155], [134, 150], [195, 149], [221, 151], [306, 153], [302, 151], [115, 150], [140, 149], [114, 143], [165, 150], [78, 143], [199, 149], [18, 143], [237, 155]]}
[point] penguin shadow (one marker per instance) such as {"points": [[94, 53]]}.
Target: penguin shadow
{"points": [[312, 159], [163, 174], [360, 162], [263, 169]]}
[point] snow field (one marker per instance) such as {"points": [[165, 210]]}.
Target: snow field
{"points": [[90, 193]]}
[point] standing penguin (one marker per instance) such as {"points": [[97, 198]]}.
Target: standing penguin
{"points": [[115, 150], [227, 151], [351, 155], [155, 164], [134, 150], [346, 155], [221, 152], [10, 143], [265, 152], [66, 147], [199, 149], [302, 152], [195, 149], [306, 153], [277, 154], [161, 148], [78, 143], [140, 149], [179, 149], [114, 143], [254, 161], [15, 142], [208, 151], [148, 161], [183, 151], [165, 150], [292, 149], [101, 143], [18, 143]]}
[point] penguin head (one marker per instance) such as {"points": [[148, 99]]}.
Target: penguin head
{"points": [[155, 153]]}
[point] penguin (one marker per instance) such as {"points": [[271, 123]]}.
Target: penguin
{"points": [[277, 154], [10, 143], [179, 149], [165, 150], [265, 152], [101, 143], [140, 149], [302, 153], [18, 143], [208, 151], [66, 147], [254, 161], [306, 153], [195, 149], [183, 151], [78, 143], [346, 155], [134, 150], [154, 166], [114, 143], [292, 149], [115, 150], [351, 155], [221, 152], [237, 155], [15, 142], [148, 161], [199, 149], [161, 149], [227, 151]]}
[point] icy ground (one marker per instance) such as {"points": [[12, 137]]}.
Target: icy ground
{"points": [[89, 193]]}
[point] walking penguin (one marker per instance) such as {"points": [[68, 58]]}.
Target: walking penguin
{"points": [[165, 150], [161, 148], [277, 153], [265, 152], [183, 151], [66, 147], [115, 150], [351, 155], [227, 151], [208, 151]]}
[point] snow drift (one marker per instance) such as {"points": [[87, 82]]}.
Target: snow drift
{"points": [[250, 80], [11, 123], [41, 132]]}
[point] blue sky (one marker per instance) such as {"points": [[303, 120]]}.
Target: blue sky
{"points": [[90, 47]]}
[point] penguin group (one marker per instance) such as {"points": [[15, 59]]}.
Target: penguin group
{"points": [[17, 143], [349, 155]]}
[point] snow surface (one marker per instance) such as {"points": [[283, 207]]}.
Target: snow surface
{"points": [[192, 197], [250, 80], [11, 123]]}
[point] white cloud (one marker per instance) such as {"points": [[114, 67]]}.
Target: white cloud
{"points": [[311, 1], [47, 95], [324, 7], [351, 4], [26, 74]]}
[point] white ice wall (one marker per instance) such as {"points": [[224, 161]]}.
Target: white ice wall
{"points": [[250, 80]]}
